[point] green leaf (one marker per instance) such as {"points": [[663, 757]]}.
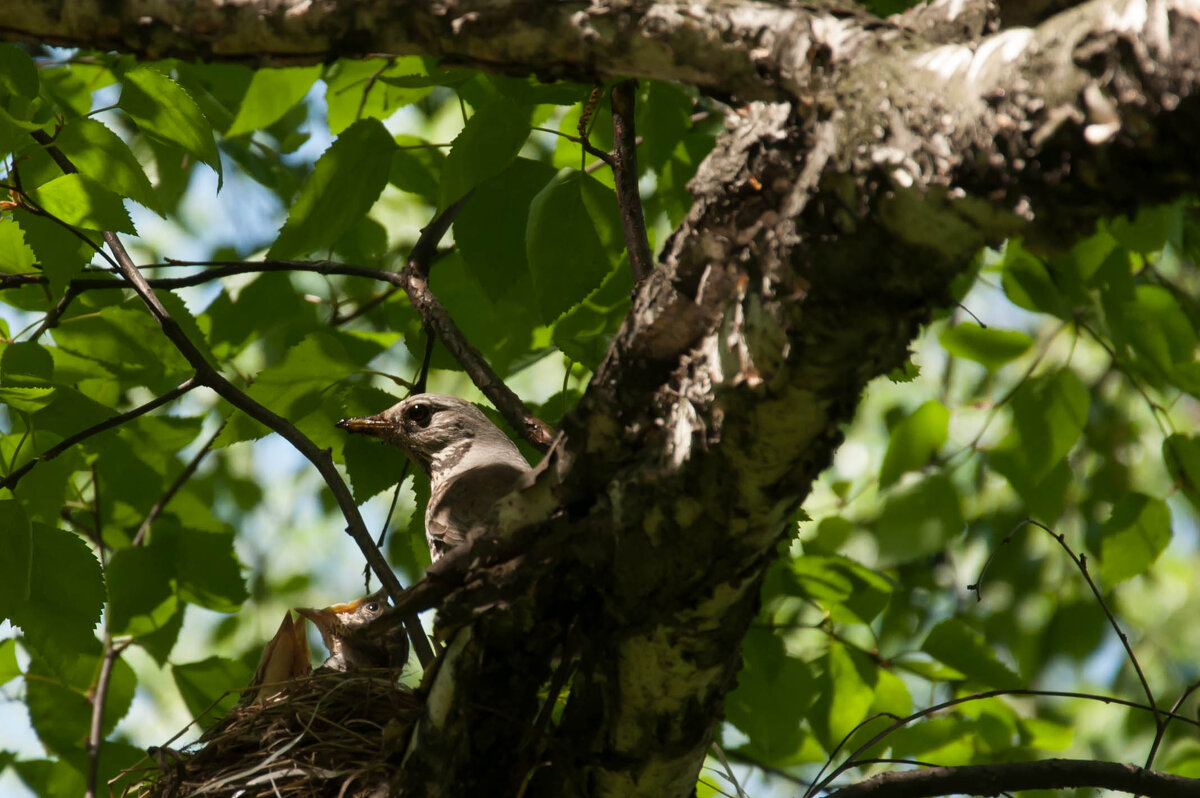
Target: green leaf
{"points": [[1028, 284], [585, 331], [344, 184], [358, 90], [61, 256], [101, 155], [66, 594], [1182, 456], [490, 229], [26, 363], [914, 441], [1049, 413], [162, 108], [271, 94], [485, 146], [16, 566], [206, 568], [51, 778], [27, 400], [850, 592], [18, 73], [954, 643], [59, 708], [206, 685], [15, 255], [1149, 230], [139, 582], [1138, 530], [919, 521], [372, 466], [1158, 330], [82, 202], [9, 669], [852, 695], [569, 240], [774, 692], [417, 169], [990, 346]]}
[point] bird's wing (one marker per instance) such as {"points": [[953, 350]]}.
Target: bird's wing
{"points": [[464, 502]]}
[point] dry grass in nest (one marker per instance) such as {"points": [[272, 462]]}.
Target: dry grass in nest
{"points": [[329, 734]]}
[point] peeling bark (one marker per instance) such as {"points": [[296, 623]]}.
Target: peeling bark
{"points": [[875, 159]]}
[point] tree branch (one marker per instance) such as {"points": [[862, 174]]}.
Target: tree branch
{"points": [[12, 479], [1009, 777], [625, 175], [415, 279]]}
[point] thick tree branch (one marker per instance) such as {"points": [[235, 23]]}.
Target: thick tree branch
{"points": [[1009, 777]]}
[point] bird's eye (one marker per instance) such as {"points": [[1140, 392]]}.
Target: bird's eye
{"points": [[373, 607], [420, 414]]}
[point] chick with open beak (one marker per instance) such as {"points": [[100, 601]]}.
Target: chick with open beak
{"points": [[470, 462], [364, 633]]}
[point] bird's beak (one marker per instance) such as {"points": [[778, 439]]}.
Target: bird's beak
{"points": [[325, 618], [364, 425]]}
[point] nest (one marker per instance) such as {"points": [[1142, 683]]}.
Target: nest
{"points": [[328, 734]]}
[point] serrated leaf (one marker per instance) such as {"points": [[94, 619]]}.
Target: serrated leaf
{"points": [[954, 643], [367, 89], [567, 256], [9, 669], [417, 169], [162, 108], [270, 95], [27, 400], [66, 594], [25, 362], [59, 708], [62, 257], [914, 441], [1138, 530], [18, 73], [585, 331], [490, 229], [15, 255], [990, 346], [82, 202], [485, 146], [344, 184], [101, 155]]}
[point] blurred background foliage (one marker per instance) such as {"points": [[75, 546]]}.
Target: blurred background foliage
{"points": [[1062, 388]]}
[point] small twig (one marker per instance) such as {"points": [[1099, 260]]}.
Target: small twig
{"points": [[12, 479], [416, 283], [184, 476], [1162, 729], [96, 730], [625, 176], [422, 377]]}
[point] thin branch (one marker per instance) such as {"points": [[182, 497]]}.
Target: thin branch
{"points": [[416, 283], [184, 476], [1047, 774], [12, 479], [625, 175], [1162, 729], [207, 375], [99, 697]]}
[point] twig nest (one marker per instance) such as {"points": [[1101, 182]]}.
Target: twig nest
{"points": [[328, 734]]}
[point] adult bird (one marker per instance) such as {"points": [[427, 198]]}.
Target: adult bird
{"points": [[470, 462], [361, 634]]}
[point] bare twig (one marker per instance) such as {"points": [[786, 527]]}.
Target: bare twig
{"points": [[625, 175], [1009, 777], [184, 476], [12, 479], [207, 375], [416, 283], [99, 697], [1162, 728]]}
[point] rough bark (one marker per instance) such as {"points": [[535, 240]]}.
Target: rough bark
{"points": [[829, 222]]}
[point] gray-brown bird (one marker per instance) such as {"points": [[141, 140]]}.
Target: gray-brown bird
{"points": [[361, 634], [469, 461]]}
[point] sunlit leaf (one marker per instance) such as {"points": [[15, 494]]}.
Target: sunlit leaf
{"points": [[954, 643], [344, 184], [1133, 536], [991, 346], [162, 108], [914, 441], [920, 520], [82, 202], [15, 254], [488, 142], [272, 92], [101, 155]]}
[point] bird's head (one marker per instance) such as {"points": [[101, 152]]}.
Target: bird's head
{"points": [[437, 430], [356, 633]]}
